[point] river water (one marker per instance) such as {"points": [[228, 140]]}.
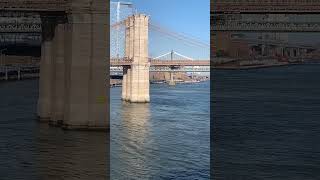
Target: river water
{"points": [[266, 126], [166, 139], [266, 123], [30, 150]]}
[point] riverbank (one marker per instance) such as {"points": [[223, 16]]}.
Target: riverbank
{"points": [[233, 64], [244, 67], [118, 83]]}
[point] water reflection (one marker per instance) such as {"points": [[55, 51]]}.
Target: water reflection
{"points": [[165, 139], [135, 137], [71, 154], [136, 120], [35, 151]]}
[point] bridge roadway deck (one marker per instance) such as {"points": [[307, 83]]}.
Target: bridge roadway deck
{"points": [[164, 62], [113, 71], [119, 70], [121, 62]]}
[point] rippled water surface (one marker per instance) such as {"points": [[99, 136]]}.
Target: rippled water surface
{"points": [[33, 151], [165, 139], [267, 123]]}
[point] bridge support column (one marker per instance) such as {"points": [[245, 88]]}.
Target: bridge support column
{"points": [[6, 74], [263, 50], [172, 82], [128, 85], [137, 82], [58, 77], [124, 84], [291, 52], [45, 86], [19, 73], [86, 77], [281, 51]]}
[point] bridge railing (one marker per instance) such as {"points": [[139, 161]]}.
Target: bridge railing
{"points": [[153, 62], [119, 70], [10, 68], [120, 61], [20, 27], [181, 69], [262, 6], [266, 26], [38, 5], [266, 2]]}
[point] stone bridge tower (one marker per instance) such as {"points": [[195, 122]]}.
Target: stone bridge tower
{"points": [[74, 67], [135, 85]]}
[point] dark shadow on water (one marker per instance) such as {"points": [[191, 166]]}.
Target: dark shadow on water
{"points": [[35, 151], [71, 154], [266, 123]]}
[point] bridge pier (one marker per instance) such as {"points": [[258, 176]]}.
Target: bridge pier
{"points": [[128, 85], [139, 82], [73, 79], [45, 87], [58, 76], [6, 74], [124, 83], [86, 87], [172, 82], [135, 87], [19, 73]]}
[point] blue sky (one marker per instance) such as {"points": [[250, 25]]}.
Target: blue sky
{"points": [[188, 17], [191, 17]]}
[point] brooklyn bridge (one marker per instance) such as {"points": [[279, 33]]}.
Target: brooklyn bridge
{"points": [[75, 41], [74, 38]]}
